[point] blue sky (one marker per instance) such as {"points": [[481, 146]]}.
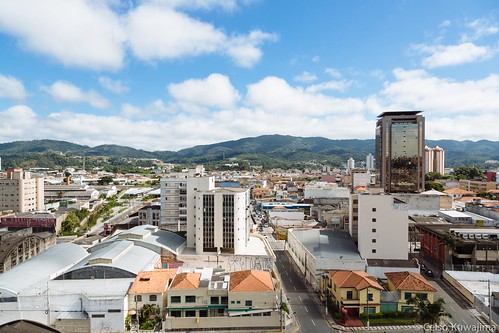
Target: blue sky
{"points": [[171, 74]]}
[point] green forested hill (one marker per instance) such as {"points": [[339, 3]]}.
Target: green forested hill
{"points": [[266, 150]]}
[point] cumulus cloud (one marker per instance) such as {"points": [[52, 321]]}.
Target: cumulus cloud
{"points": [[274, 94], [115, 86], [214, 91], [448, 55], [67, 92], [77, 33], [333, 72], [11, 88], [417, 89], [227, 5], [305, 77], [244, 50], [330, 86], [480, 28], [157, 109]]}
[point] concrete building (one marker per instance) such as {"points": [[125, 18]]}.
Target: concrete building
{"points": [[476, 185], [325, 190], [350, 164], [434, 160], [316, 251], [400, 159], [453, 216], [39, 221], [221, 220], [21, 193], [379, 224], [19, 246], [151, 215], [215, 299], [369, 162], [71, 191], [408, 285]]}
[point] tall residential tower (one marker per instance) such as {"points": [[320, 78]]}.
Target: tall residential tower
{"points": [[400, 151]]}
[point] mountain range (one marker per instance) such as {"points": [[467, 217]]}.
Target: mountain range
{"points": [[266, 150]]}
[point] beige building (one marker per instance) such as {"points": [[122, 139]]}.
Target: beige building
{"points": [[434, 160], [21, 193], [476, 185], [215, 299], [408, 285]]}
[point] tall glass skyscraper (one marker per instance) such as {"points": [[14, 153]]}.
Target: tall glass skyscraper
{"points": [[400, 151]]}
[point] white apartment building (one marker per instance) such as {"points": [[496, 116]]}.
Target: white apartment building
{"points": [[379, 224], [173, 191], [369, 162], [21, 193], [434, 160], [222, 220]]}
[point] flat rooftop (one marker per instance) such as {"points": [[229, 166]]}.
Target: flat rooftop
{"points": [[329, 244], [399, 113]]}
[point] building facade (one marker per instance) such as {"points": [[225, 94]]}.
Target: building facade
{"points": [[222, 220], [21, 193], [379, 224], [434, 160], [150, 215], [400, 143]]}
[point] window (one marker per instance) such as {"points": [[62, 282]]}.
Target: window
{"points": [[266, 314], [214, 300], [238, 302], [373, 230], [424, 296], [190, 313], [190, 299], [175, 299], [114, 310], [407, 295], [232, 302], [176, 313], [138, 298], [203, 313], [248, 303], [370, 297], [225, 300], [370, 310], [373, 251], [374, 209], [373, 219], [349, 295], [373, 240], [98, 316], [407, 308]]}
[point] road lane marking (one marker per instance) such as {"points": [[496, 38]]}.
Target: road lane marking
{"points": [[295, 288], [465, 323], [299, 297], [450, 306], [286, 273], [306, 308], [290, 280], [312, 321]]}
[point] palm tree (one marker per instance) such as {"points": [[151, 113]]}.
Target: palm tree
{"points": [[451, 242], [427, 312]]}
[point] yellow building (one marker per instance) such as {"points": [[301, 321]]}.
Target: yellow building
{"points": [[408, 285], [352, 291]]}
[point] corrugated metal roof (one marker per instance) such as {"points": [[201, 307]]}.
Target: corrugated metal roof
{"points": [[328, 244], [42, 267]]}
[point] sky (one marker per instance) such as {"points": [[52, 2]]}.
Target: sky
{"points": [[173, 74]]}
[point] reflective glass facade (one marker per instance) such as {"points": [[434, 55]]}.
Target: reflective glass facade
{"points": [[400, 146]]}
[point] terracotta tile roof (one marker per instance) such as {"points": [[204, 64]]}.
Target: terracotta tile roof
{"points": [[467, 199], [409, 281], [354, 279], [250, 280], [185, 281], [458, 191], [152, 282]]}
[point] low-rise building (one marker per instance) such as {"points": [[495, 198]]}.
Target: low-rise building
{"points": [[151, 215], [408, 285], [352, 291]]}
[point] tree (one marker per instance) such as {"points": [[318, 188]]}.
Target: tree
{"points": [[431, 176], [71, 223], [427, 312], [467, 173], [434, 185], [105, 180], [149, 316], [485, 195]]}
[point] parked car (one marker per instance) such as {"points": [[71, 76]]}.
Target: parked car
{"points": [[422, 267], [429, 273]]}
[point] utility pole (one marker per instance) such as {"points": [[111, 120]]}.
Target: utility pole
{"points": [[367, 308]]}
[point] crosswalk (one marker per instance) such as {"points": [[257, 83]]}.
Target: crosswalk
{"points": [[382, 328]]}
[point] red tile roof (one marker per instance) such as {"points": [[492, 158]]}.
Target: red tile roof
{"points": [[250, 280], [152, 282], [409, 281], [354, 279], [185, 281]]}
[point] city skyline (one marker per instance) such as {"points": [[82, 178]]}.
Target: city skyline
{"points": [[167, 75]]}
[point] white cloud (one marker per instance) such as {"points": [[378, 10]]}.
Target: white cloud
{"points": [[77, 33], [445, 24], [155, 110], [115, 86], [227, 5], [17, 121], [418, 90], [330, 86], [333, 72], [480, 28], [158, 32], [214, 91], [316, 58], [67, 92], [305, 77], [11, 88], [448, 55], [244, 50], [275, 95]]}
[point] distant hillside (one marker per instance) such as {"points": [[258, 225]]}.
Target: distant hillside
{"points": [[266, 150]]}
